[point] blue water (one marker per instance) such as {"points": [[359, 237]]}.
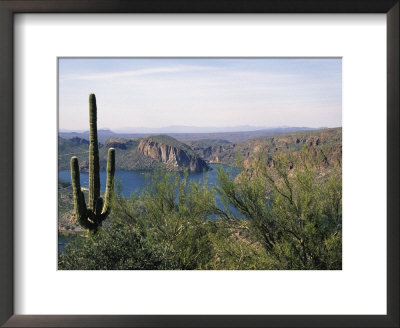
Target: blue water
{"points": [[135, 181]]}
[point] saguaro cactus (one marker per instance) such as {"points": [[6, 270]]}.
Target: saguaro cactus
{"points": [[91, 216]]}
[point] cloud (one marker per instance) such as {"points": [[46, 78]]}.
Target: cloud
{"points": [[139, 72]]}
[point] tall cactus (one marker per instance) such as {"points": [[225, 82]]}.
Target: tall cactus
{"points": [[97, 211]]}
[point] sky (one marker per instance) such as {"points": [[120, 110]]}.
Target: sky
{"points": [[207, 92]]}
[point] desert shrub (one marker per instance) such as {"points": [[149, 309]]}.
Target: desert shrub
{"points": [[176, 213], [115, 247], [235, 249], [293, 209]]}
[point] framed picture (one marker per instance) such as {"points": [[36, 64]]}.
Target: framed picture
{"points": [[193, 175]]}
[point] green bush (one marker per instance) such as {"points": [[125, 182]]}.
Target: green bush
{"points": [[115, 247], [292, 209], [173, 212]]}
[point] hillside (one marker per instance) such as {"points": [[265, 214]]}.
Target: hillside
{"points": [[72, 147], [327, 140], [164, 151]]}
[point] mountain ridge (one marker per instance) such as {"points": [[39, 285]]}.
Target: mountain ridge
{"points": [[232, 136], [130, 157]]}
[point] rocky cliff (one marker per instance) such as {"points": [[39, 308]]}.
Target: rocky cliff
{"points": [[175, 155]]}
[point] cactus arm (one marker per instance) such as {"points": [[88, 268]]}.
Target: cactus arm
{"points": [[81, 212], [110, 181], [94, 166]]}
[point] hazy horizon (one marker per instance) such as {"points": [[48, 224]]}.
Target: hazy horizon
{"points": [[192, 129], [144, 94]]}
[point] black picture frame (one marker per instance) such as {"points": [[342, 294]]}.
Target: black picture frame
{"points": [[7, 10]]}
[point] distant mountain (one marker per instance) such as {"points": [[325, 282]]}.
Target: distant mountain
{"points": [[84, 131], [239, 134], [103, 134], [190, 129]]}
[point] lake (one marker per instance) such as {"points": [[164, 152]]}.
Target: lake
{"points": [[135, 181]]}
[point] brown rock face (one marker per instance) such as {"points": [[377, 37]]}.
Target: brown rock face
{"points": [[175, 155]]}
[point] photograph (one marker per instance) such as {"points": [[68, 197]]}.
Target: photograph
{"points": [[197, 163]]}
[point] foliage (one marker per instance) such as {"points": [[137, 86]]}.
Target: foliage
{"points": [[292, 210], [235, 249], [115, 247], [173, 212]]}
